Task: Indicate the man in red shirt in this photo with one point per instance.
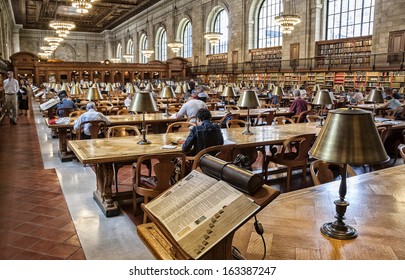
(299, 105)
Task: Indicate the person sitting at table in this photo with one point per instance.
(65, 103)
(396, 94)
(191, 107)
(395, 107)
(128, 100)
(358, 96)
(90, 115)
(205, 134)
(299, 105)
(202, 95)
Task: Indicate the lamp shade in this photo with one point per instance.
(322, 98)
(375, 96)
(316, 88)
(228, 92)
(401, 90)
(248, 99)
(167, 92)
(76, 90)
(66, 87)
(129, 88)
(149, 87)
(57, 87)
(278, 91)
(179, 90)
(109, 87)
(143, 102)
(94, 93)
(349, 136)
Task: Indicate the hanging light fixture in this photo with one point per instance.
(82, 6)
(53, 41)
(289, 19)
(62, 27)
(213, 37)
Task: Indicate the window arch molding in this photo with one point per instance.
(210, 25)
(161, 44)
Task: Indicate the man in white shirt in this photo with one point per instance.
(191, 107)
(11, 88)
(90, 115)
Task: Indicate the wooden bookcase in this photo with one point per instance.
(343, 52)
(267, 57)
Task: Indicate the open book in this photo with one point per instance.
(48, 104)
(199, 211)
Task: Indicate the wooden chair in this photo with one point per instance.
(323, 172)
(235, 123)
(179, 127)
(265, 118)
(151, 186)
(223, 152)
(192, 119)
(123, 112)
(301, 117)
(401, 149)
(121, 131)
(103, 110)
(76, 113)
(313, 118)
(293, 154)
(64, 112)
(227, 117)
(283, 120)
(96, 128)
(267, 105)
(231, 107)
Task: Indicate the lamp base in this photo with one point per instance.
(338, 230)
(167, 114)
(247, 132)
(144, 142)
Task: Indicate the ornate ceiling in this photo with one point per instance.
(104, 15)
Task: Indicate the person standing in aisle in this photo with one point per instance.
(11, 89)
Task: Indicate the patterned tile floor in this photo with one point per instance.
(34, 219)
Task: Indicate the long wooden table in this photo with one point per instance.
(158, 121)
(292, 223)
(104, 152)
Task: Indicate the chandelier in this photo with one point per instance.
(175, 46)
(289, 19)
(213, 37)
(53, 41)
(62, 27)
(48, 48)
(147, 53)
(82, 6)
(287, 22)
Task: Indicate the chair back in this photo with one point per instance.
(123, 112)
(163, 166)
(313, 118)
(95, 128)
(265, 118)
(322, 171)
(76, 113)
(401, 149)
(302, 116)
(122, 131)
(283, 120)
(297, 147)
(227, 117)
(179, 127)
(235, 123)
(102, 109)
(224, 152)
(232, 107)
(64, 112)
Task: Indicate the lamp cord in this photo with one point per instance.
(260, 231)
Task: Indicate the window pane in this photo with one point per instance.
(268, 32)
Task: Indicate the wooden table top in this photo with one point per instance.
(161, 118)
(122, 149)
(292, 221)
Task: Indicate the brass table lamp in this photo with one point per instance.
(76, 90)
(249, 100)
(179, 91)
(94, 94)
(322, 98)
(375, 96)
(228, 93)
(143, 102)
(278, 91)
(167, 93)
(348, 137)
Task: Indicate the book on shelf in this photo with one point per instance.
(198, 212)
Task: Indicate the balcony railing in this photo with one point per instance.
(385, 61)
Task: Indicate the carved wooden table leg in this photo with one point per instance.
(103, 194)
(63, 151)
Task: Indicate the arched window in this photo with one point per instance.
(221, 25)
(187, 36)
(143, 45)
(130, 51)
(119, 52)
(161, 47)
(268, 32)
(349, 18)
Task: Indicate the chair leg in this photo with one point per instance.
(145, 217)
(289, 173)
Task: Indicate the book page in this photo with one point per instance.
(199, 211)
(48, 104)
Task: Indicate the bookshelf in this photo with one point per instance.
(343, 52)
(266, 57)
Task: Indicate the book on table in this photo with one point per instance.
(199, 211)
(48, 104)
